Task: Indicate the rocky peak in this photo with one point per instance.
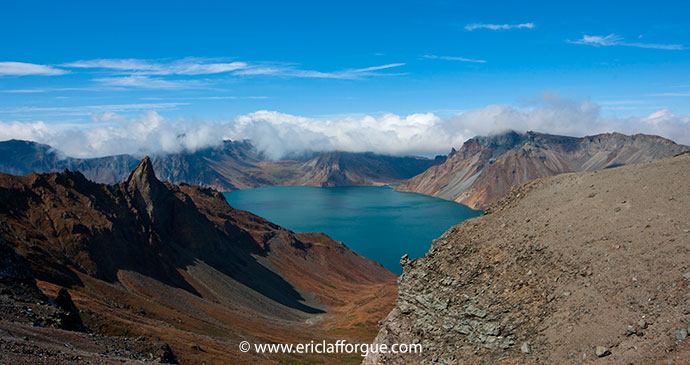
(143, 174)
(143, 186)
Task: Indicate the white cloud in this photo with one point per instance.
(23, 91)
(24, 69)
(448, 58)
(291, 71)
(139, 71)
(111, 134)
(615, 40)
(90, 109)
(279, 134)
(187, 66)
(475, 26)
(376, 68)
(671, 94)
(146, 82)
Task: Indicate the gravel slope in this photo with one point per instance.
(559, 267)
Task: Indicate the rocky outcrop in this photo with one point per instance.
(564, 269)
(485, 168)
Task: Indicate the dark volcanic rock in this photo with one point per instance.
(69, 317)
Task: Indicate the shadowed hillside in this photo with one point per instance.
(177, 264)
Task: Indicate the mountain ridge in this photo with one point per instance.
(230, 166)
(485, 168)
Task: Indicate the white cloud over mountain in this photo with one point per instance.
(279, 134)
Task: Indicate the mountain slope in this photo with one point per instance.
(560, 266)
(23, 157)
(230, 166)
(485, 168)
(346, 168)
(176, 263)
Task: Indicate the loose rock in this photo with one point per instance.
(630, 331)
(602, 351)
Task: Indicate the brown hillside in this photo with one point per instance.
(559, 267)
(176, 264)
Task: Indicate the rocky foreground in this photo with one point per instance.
(576, 268)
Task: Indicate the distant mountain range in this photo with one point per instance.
(232, 165)
(485, 168)
(172, 263)
(481, 172)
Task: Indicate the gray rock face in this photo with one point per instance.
(446, 314)
(681, 334)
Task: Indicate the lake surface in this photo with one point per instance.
(377, 222)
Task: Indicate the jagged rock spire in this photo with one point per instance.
(142, 173)
(145, 188)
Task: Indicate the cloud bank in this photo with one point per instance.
(279, 134)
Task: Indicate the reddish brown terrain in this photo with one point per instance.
(579, 268)
(157, 271)
(485, 168)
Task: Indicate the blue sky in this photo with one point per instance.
(66, 62)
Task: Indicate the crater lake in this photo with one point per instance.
(376, 222)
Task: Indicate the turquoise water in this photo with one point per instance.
(377, 222)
